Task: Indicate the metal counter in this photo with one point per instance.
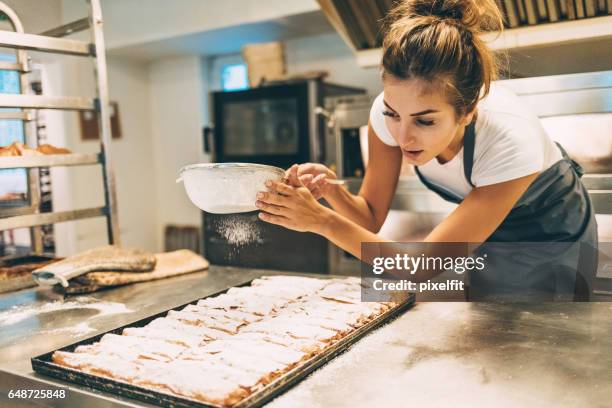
(437, 354)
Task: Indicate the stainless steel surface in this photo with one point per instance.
(49, 160)
(43, 365)
(104, 122)
(437, 354)
(313, 119)
(49, 331)
(30, 220)
(597, 181)
(35, 42)
(473, 355)
(45, 102)
(560, 83)
(602, 201)
(67, 29)
(350, 111)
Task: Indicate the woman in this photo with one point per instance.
(471, 141)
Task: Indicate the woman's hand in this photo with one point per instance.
(314, 177)
(292, 205)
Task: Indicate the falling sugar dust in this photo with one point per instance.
(238, 230)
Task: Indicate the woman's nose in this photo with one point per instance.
(406, 137)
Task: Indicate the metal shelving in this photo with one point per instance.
(76, 159)
(51, 41)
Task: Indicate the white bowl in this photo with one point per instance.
(225, 188)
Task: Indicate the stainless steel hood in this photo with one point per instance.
(543, 37)
(359, 22)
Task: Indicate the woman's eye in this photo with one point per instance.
(391, 114)
(423, 122)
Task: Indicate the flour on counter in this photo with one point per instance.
(17, 314)
(78, 330)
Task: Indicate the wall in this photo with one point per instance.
(36, 15)
(307, 54)
(132, 22)
(176, 119)
(131, 156)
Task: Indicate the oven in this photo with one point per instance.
(277, 125)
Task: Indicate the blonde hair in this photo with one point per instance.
(438, 41)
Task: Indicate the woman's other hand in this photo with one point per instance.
(314, 177)
(292, 205)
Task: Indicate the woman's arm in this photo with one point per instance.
(474, 220)
(370, 207)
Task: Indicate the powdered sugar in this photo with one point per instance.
(20, 313)
(239, 230)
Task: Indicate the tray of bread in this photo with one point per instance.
(237, 348)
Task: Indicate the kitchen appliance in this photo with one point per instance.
(276, 125)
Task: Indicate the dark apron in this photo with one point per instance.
(546, 248)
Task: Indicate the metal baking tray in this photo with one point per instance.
(44, 364)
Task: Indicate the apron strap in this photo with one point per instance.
(469, 141)
(446, 195)
(577, 167)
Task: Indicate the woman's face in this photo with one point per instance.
(420, 119)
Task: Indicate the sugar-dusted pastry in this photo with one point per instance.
(223, 348)
(245, 304)
(166, 334)
(266, 349)
(232, 314)
(128, 346)
(199, 319)
(303, 331)
(191, 379)
(179, 326)
(99, 364)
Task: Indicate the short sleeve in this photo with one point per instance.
(512, 150)
(377, 120)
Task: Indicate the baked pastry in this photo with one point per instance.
(223, 348)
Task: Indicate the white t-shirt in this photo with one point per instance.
(510, 143)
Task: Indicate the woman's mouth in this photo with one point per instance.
(412, 154)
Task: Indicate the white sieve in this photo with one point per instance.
(225, 188)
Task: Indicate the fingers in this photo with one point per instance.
(280, 187)
(306, 168)
(320, 180)
(291, 169)
(306, 179)
(273, 198)
(274, 219)
(292, 176)
(271, 208)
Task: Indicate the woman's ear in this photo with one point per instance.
(469, 117)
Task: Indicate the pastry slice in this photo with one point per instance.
(199, 319)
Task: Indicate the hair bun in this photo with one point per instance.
(444, 9)
(475, 15)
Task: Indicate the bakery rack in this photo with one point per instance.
(53, 41)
